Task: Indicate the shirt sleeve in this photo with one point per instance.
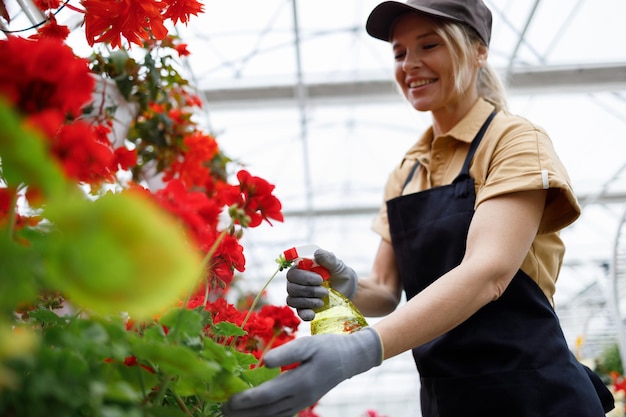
(524, 159)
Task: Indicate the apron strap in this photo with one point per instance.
(474, 145)
(468, 158)
(410, 176)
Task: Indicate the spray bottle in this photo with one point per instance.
(338, 314)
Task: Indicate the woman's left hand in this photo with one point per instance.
(324, 361)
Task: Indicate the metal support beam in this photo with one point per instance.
(607, 198)
(540, 80)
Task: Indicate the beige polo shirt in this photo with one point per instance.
(514, 155)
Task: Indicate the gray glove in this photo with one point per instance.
(304, 288)
(325, 361)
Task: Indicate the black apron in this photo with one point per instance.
(510, 359)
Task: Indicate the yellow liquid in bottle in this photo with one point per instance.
(338, 315)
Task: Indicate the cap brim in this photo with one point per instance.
(382, 17)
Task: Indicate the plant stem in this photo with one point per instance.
(182, 405)
(163, 387)
(268, 347)
(255, 302)
(214, 246)
(12, 214)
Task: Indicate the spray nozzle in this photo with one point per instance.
(304, 257)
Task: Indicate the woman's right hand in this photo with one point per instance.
(304, 288)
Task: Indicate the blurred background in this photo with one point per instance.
(298, 92)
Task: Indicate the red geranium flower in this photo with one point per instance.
(44, 74)
(44, 5)
(193, 100)
(256, 199)
(82, 155)
(182, 9)
(197, 211)
(125, 158)
(227, 258)
(52, 30)
(110, 20)
(221, 311)
(47, 122)
(182, 49)
(283, 318)
(192, 168)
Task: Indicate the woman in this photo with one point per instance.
(469, 232)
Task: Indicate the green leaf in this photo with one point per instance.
(175, 360)
(94, 332)
(17, 283)
(121, 252)
(154, 334)
(119, 60)
(222, 355)
(188, 387)
(124, 85)
(122, 391)
(48, 318)
(224, 386)
(142, 380)
(25, 159)
(228, 329)
(245, 360)
(182, 322)
(259, 375)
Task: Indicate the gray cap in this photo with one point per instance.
(473, 13)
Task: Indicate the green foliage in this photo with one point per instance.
(95, 367)
(610, 361)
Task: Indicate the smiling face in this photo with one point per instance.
(425, 70)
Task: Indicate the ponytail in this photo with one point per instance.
(491, 88)
(461, 40)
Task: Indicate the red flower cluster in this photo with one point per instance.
(46, 82)
(269, 327)
(256, 199)
(108, 21)
(44, 75)
(197, 211)
(52, 30)
(191, 166)
(44, 5)
(136, 20)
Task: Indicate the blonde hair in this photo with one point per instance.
(462, 39)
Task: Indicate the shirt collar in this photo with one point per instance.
(465, 130)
